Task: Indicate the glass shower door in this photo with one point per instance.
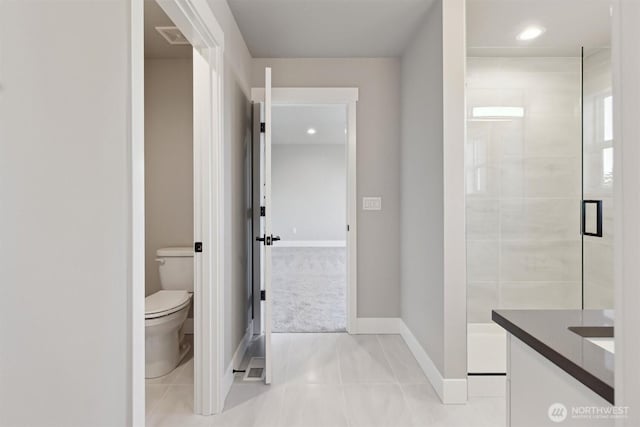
(597, 179)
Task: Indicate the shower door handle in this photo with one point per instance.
(589, 231)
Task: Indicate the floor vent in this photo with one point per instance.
(255, 370)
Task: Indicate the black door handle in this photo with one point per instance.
(268, 240)
(598, 207)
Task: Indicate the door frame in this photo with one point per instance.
(197, 22)
(347, 96)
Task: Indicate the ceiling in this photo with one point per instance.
(155, 46)
(492, 26)
(291, 122)
(328, 28)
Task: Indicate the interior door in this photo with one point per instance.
(267, 237)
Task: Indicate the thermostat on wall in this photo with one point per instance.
(372, 203)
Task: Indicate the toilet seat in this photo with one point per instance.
(163, 303)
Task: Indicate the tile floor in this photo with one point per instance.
(327, 380)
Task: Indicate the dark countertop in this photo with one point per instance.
(546, 331)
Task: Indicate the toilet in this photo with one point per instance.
(167, 310)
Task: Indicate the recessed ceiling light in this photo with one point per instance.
(311, 131)
(531, 33)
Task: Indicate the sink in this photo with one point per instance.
(602, 336)
(607, 343)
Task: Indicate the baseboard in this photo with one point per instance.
(487, 385)
(378, 325)
(310, 244)
(450, 390)
(236, 360)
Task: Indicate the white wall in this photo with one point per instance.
(432, 185)
(309, 191)
(65, 218)
(378, 158)
(168, 158)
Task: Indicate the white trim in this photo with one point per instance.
(352, 217)
(305, 96)
(137, 244)
(237, 359)
(349, 97)
(454, 203)
(196, 21)
(310, 244)
(450, 390)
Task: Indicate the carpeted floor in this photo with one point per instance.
(309, 289)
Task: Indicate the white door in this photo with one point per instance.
(268, 237)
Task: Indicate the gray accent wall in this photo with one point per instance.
(432, 182)
(378, 158)
(423, 187)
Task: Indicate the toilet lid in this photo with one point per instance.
(165, 302)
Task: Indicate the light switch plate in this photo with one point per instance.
(372, 203)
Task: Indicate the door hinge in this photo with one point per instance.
(197, 247)
(262, 127)
(263, 296)
(263, 211)
(347, 227)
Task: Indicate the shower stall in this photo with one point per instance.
(539, 190)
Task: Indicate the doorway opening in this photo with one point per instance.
(192, 27)
(169, 209)
(309, 205)
(304, 211)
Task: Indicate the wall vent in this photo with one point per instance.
(172, 35)
(255, 370)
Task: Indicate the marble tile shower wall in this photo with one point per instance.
(598, 176)
(523, 183)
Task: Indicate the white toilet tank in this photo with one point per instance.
(176, 268)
